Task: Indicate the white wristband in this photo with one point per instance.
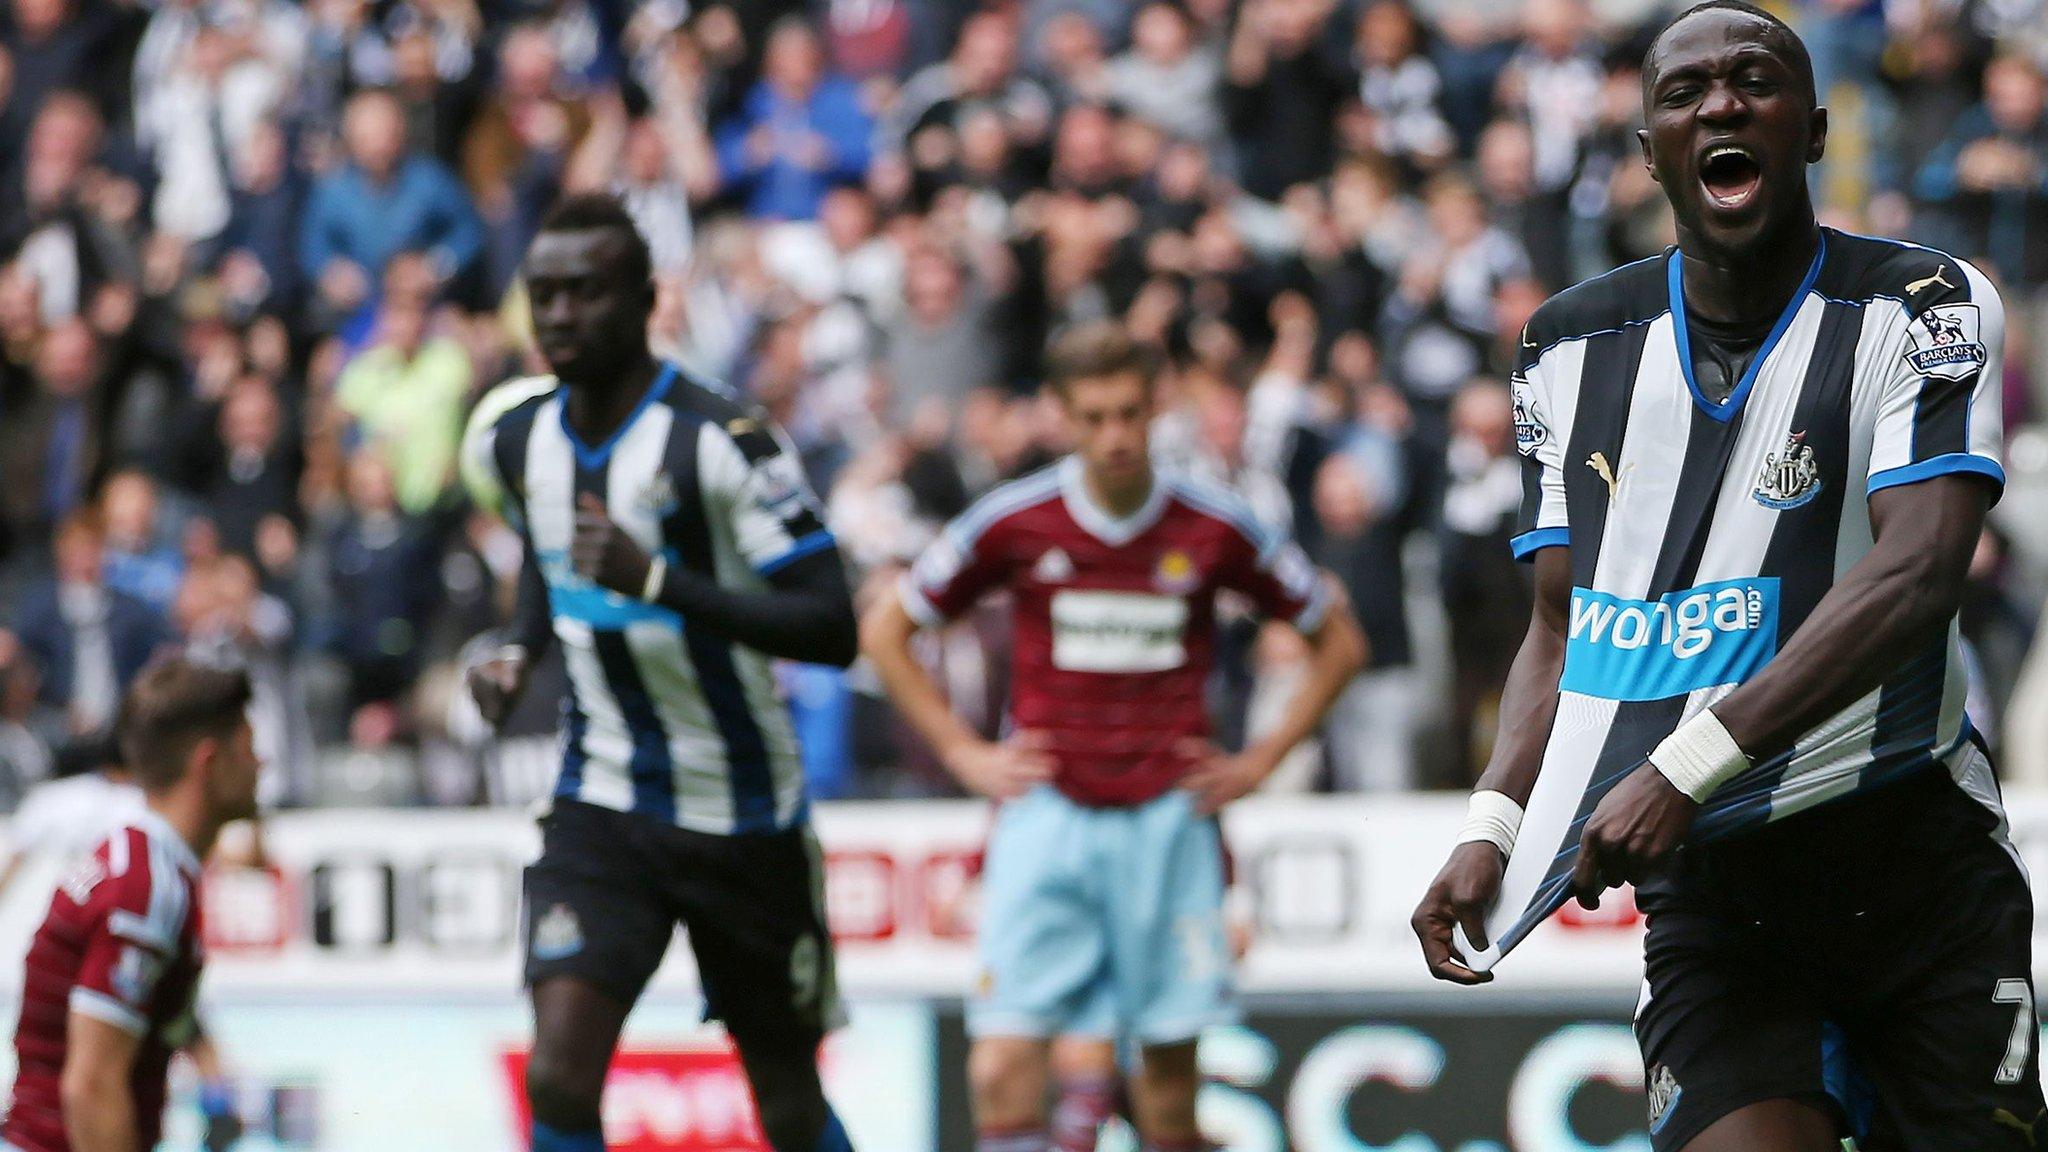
(657, 573)
(1493, 818)
(1700, 757)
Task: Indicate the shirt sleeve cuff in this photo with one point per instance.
(1944, 465)
(810, 545)
(108, 1010)
(1529, 543)
(1317, 609)
(138, 930)
(920, 608)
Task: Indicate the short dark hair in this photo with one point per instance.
(175, 702)
(1783, 40)
(602, 212)
(1093, 350)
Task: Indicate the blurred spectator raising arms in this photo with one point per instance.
(1990, 178)
(61, 214)
(800, 131)
(1400, 87)
(1486, 595)
(515, 150)
(1169, 78)
(1553, 82)
(196, 122)
(1284, 80)
(380, 204)
(981, 75)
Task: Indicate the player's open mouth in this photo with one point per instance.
(1731, 176)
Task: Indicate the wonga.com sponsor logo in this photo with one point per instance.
(1719, 633)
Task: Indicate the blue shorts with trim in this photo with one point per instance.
(1102, 922)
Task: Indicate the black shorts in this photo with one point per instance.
(610, 887)
(1873, 958)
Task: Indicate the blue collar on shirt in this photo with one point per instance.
(592, 459)
(1675, 285)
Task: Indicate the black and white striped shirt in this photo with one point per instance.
(663, 719)
(1703, 534)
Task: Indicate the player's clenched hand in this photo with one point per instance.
(1217, 777)
(1005, 770)
(496, 684)
(603, 554)
(1631, 834)
(1461, 894)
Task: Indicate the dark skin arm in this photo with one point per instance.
(807, 615)
(1466, 889)
(533, 624)
(499, 682)
(1898, 599)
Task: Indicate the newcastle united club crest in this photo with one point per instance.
(1663, 1092)
(658, 499)
(1790, 476)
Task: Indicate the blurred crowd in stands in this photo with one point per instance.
(258, 258)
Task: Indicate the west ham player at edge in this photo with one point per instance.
(1851, 953)
(108, 990)
(1103, 887)
(673, 549)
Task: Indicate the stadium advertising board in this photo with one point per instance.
(423, 902)
(1355, 1073)
(419, 902)
(1364, 1077)
(331, 1074)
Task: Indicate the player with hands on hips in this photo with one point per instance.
(1102, 910)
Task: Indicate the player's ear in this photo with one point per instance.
(200, 761)
(1643, 142)
(1817, 136)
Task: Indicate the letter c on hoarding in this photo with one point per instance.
(1237, 1061)
(1332, 1072)
(1540, 1100)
